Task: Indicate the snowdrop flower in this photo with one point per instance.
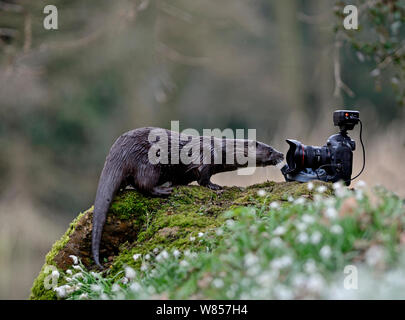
(300, 201)
(103, 296)
(77, 268)
(55, 274)
(331, 213)
(218, 283)
(301, 226)
(162, 256)
(147, 256)
(60, 291)
(176, 253)
(115, 287)
(325, 252)
(95, 287)
(310, 186)
(136, 256)
(184, 263)
(310, 266)
(135, 286)
(374, 255)
(315, 283)
(336, 229)
(84, 296)
(69, 272)
(192, 238)
(359, 194)
(95, 274)
(290, 199)
(187, 253)
(340, 191)
(308, 219)
(318, 198)
(316, 237)
(261, 193)
(282, 262)
(302, 238)
(125, 280)
(219, 232)
(68, 279)
(130, 273)
(144, 267)
(200, 234)
(251, 259)
(280, 230)
(74, 258)
(156, 250)
(283, 293)
(299, 280)
(321, 189)
(274, 205)
(230, 222)
(276, 242)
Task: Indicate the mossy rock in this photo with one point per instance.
(138, 224)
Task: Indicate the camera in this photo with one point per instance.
(332, 162)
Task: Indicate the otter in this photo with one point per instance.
(128, 164)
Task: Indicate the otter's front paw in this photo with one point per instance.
(213, 186)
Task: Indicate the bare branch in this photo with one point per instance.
(339, 84)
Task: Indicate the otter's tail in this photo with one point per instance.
(110, 181)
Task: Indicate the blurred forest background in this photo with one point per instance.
(280, 67)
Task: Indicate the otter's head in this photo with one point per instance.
(266, 155)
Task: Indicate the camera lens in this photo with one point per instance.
(300, 156)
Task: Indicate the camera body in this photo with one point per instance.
(332, 162)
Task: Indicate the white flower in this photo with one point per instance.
(310, 186)
(95, 275)
(325, 252)
(301, 226)
(135, 286)
(219, 232)
(192, 238)
(144, 267)
(290, 199)
(280, 263)
(156, 250)
(318, 198)
(283, 292)
(187, 253)
(68, 279)
(310, 266)
(276, 242)
(176, 253)
(308, 219)
(321, 189)
(124, 280)
(359, 194)
(336, 229)
(60, 291)
(331, 213)
(300, 201)
(302, 238)
(84, 296)
(280, 230)
(103, 296)
(77, 268)
(361, 184)
(184, 263)
(200, 234)
(251, 259)
(55, 274)
(315, 283)
(274, 205)
(162, 256)
(218, 283)
(261, 193)
(316, 237)
(115, 287)
(147, 256)
(136, 256)
(374, 255)
(340, 191)
(69, 272)
(95, 287)
(299, 280)
(230, 222)
(74, 258)
(130, 273)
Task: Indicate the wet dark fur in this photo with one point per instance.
(127, 164)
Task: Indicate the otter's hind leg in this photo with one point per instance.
(147, 182)
(205, 176)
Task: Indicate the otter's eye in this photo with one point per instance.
(158, 153)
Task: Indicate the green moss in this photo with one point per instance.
(169, 222)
